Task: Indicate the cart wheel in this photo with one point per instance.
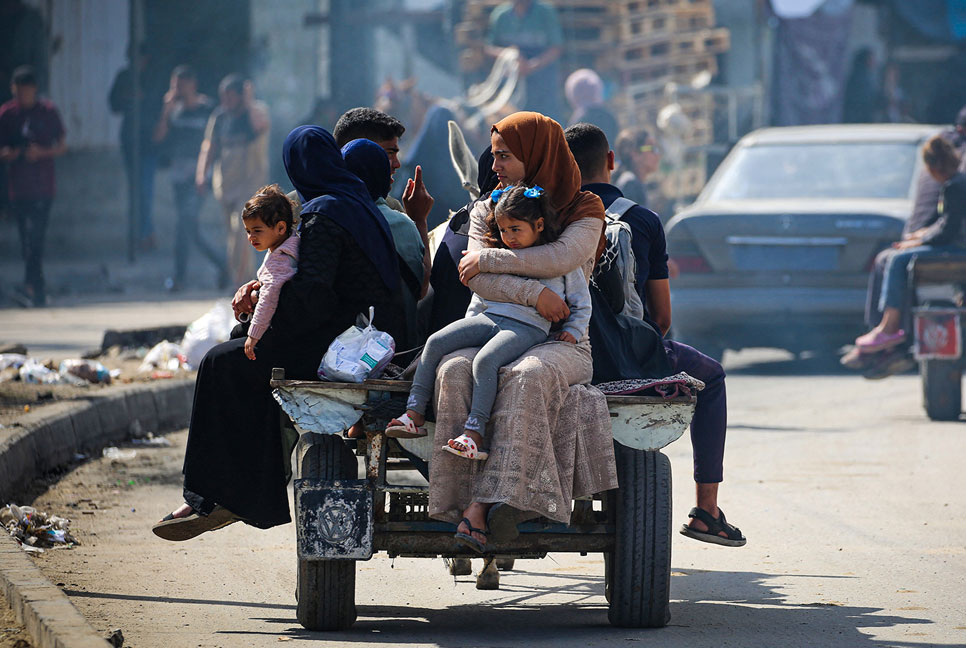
(638, 572)
(942, 391)
(326, 589)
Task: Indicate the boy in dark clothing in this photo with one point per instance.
(31, 136)
(596, 161)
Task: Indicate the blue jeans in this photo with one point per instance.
(503, 341)
(896, 280)
(187, 204)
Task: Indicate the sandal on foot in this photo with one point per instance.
(501, 520)
(406, 429)
(878, 340)
(467, 538)
(715, 526)
(193, 524)
(471, 451)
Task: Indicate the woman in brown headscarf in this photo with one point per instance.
(550, 439)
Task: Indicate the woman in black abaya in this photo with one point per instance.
(234, 469)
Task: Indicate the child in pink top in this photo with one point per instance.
(270, 225)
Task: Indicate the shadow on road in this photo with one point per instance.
(726, 608)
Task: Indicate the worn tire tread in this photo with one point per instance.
(326, 588)
(640, 568)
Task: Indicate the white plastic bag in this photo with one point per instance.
(360, 352)
(210, 329)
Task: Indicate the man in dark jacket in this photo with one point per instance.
(596, 161)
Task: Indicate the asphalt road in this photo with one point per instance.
(850, 498)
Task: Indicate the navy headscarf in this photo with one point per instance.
(315, 166)
(370, 163)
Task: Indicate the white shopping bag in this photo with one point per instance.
(360, 352)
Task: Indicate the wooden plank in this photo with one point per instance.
(668, 21)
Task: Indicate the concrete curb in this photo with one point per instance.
(48, 439)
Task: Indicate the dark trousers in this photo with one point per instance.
(710, 422)
(32, 217)
(187, 204)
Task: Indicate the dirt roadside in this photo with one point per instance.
(12, 634)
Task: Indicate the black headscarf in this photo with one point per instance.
(315, 166)
(370, 163)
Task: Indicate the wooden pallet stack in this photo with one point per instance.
(638, 46)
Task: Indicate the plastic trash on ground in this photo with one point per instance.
(214, 327)
(35, 372)
(164, 356)
(89, 370)
(116, 454)
(14, 360)
(36, 530)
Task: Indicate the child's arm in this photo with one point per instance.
(578, 299)
(278, 269)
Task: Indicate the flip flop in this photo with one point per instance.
(469, 540)
(501, 520)
(471, 452)
(872, 342)
(715, 526)
(408, 429)
(193, 524)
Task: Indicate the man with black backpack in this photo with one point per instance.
(650, 276)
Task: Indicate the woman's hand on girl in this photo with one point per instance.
(551, 306)
(470, 266)
(563, 336)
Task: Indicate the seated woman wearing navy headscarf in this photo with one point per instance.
(369, 162)
(234, 467)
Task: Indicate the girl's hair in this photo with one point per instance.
(514, 203)
(940, 156)
(271, 206)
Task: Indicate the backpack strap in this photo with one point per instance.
(619, 207)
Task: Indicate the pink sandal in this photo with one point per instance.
(406, 430)
(471, 451)
(872, 342)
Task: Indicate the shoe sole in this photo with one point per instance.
(710, 538)
(191, 526)
(880, 347)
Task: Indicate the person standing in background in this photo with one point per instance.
(179, 134)
(638, 156)
(138, 101)
(585, 94)
(31, 136)
(235, 153)
(533, 28)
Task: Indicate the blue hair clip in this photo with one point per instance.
(534, 192)
(496, 193)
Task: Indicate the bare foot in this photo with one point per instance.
(476, 514)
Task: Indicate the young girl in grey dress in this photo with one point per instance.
(519, 217)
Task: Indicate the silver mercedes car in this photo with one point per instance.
(776, 250)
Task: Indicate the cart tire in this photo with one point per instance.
(942, 391)
(638, 573)
(326, 589)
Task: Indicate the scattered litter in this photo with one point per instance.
(153, 441)
(163, 357)
(214, 327)
(35, 372)
(89, 370)
(13, 360)
(35, 530)
(116, 638)
(114, 453)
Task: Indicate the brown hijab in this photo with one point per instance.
(538, 142)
